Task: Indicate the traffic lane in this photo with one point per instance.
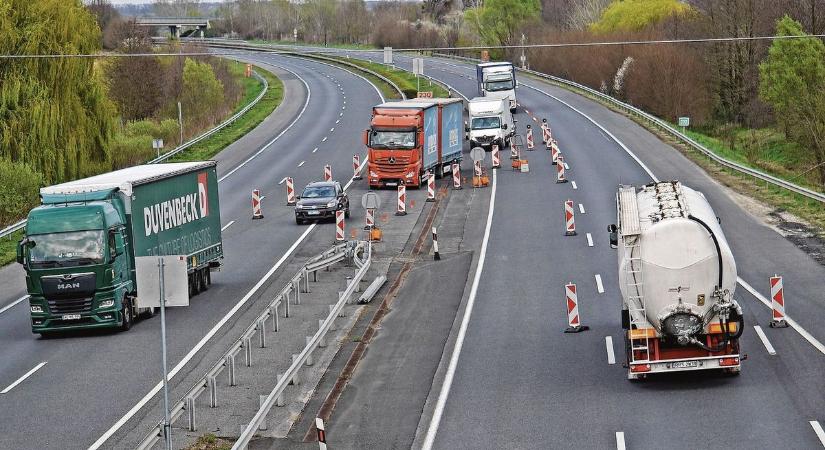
(13, 280)
(81, 355)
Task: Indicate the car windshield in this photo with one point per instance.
(72, 248)
(318, 192)
(392, 139)
(486, 123)
(503, 85)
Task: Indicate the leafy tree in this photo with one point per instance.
(793, 82)
(636, 15)
(501, 22)
(202, 95)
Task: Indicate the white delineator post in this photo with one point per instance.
(569, 219)
(436, 255)
(496, 157)
(290, 192)
(339, 226)
(356, 167)
(456, 176)
(573, 320)
(430, 186)
(256, 205)
(560, 169)
(327, 173)
(530, 144)
(370, 219)
(402, 201)
(777, 303)
(322, 433)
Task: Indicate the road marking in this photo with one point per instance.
(574, 185)
(324, 139)
(589, 240)
(23, 378)
(820, 433)
(620, 440)
(332, 129)
(764, 339)
(301, 163)
(581, 208)
(13, 304)
(432, 430)
(282, 180)
(227, 225)
(802, 332)
(599, 285)
(341, 115)
(263, 197)
(608, 343)
(566, 167)
(337, 121)
(343, 107)
(315, 150)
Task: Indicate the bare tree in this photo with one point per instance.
(585, 12)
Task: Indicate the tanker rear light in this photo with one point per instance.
(725, 362)
(635, 368)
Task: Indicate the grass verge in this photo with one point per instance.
(8, 247)
(210, 147)
(386, 89)
(210, 442)
(405, 80)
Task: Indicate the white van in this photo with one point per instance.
(490, 122)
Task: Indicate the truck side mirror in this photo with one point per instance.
(365, 137)
(20, 259)
(614, 235)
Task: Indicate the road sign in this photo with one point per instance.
(418, 66)
(477, 154)
(387, 55)
(176, 281)
(425, 94)
(684, 122)
(371, 200)
(157, 143)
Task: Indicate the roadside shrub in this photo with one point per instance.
(131, 150)
(19, 190)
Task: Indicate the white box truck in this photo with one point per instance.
(490, 122)
(497, 80)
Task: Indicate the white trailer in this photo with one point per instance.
(490, 122)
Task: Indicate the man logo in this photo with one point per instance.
(68, 286)
(203, 194)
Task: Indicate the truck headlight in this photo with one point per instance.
(373, 174)
(411, 174)
(37, 309)
(107, 303)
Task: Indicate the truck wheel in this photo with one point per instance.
(439, 172)
(128, 314)
(194, 289)
(208, 275)
(204, 279)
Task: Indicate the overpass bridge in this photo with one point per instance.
(175, 24)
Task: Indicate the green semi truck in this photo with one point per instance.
(81, 243)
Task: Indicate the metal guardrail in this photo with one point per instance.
(12, 228)
(630, 109)
(361, 254)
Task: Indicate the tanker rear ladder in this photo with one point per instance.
(639, 340)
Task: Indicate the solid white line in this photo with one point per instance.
(227, 225)
(581, 208)
(599, 285)
(820, 433)
(802, 332)
(282, 180)
(13, 304)
(462, 332)
(608, 343)
(589, 240)
(268, 144)
(21, 379)
(620, 440)
(301, 163)
(324, 139)
(764, 339)
(574, 185)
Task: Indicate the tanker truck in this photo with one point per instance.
(677, 277)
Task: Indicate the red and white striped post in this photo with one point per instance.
(573, 320)
(496, 157)
(569, 219)
(545, 131)
(430, 186)
(322, 433)
(402, 201)
(560, 169)
(339, 226)
(554, 152)
(477, 168)
(256, 205)
(436, 255)
(370, 219)
(530, 144)
(290, 192)
(356, 167)
(327, 173)
(777, 303)
(456, 176)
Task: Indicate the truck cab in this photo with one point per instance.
(394, 141)
(490, 123)
(497, 80)
(79, 272)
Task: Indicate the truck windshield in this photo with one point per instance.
(392, 139)
(486, 123)
(73, 248)
(503, 85)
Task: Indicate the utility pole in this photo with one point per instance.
(180, 122)
(523, 57)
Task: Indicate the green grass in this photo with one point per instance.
(210, 442)
(210, 147)
(406, 81)
(8, 247)
(386, 89)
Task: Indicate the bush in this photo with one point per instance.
(19, 190)
(131, 150)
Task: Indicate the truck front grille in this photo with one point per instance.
(70, 305)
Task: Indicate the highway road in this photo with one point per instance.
(519, 382)
(85, 382)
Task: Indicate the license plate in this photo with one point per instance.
(313, 213)
(684, 364)
(71, 317)
(391, 183)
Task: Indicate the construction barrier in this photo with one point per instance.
(560, 169)
(356, 167)
(530, 144)
(554, 151)
(430, 186)
(402, 201)
(456, 176)
(436, 255)
(370, 219)
(339, 226)
(322, 433)
(569, 219)
(327, 173)
(496, 157)
(545, 132)
(290, 192)
(573, 320)
(256, 205)
(777, 303)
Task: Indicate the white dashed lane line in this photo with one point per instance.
(611, 356)
(581, 208)
(228, 225)
(599, 285)
(301, 163)
(324, 139)
(574, 185)
(315, 150)
(23, 378)
(589, 240)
